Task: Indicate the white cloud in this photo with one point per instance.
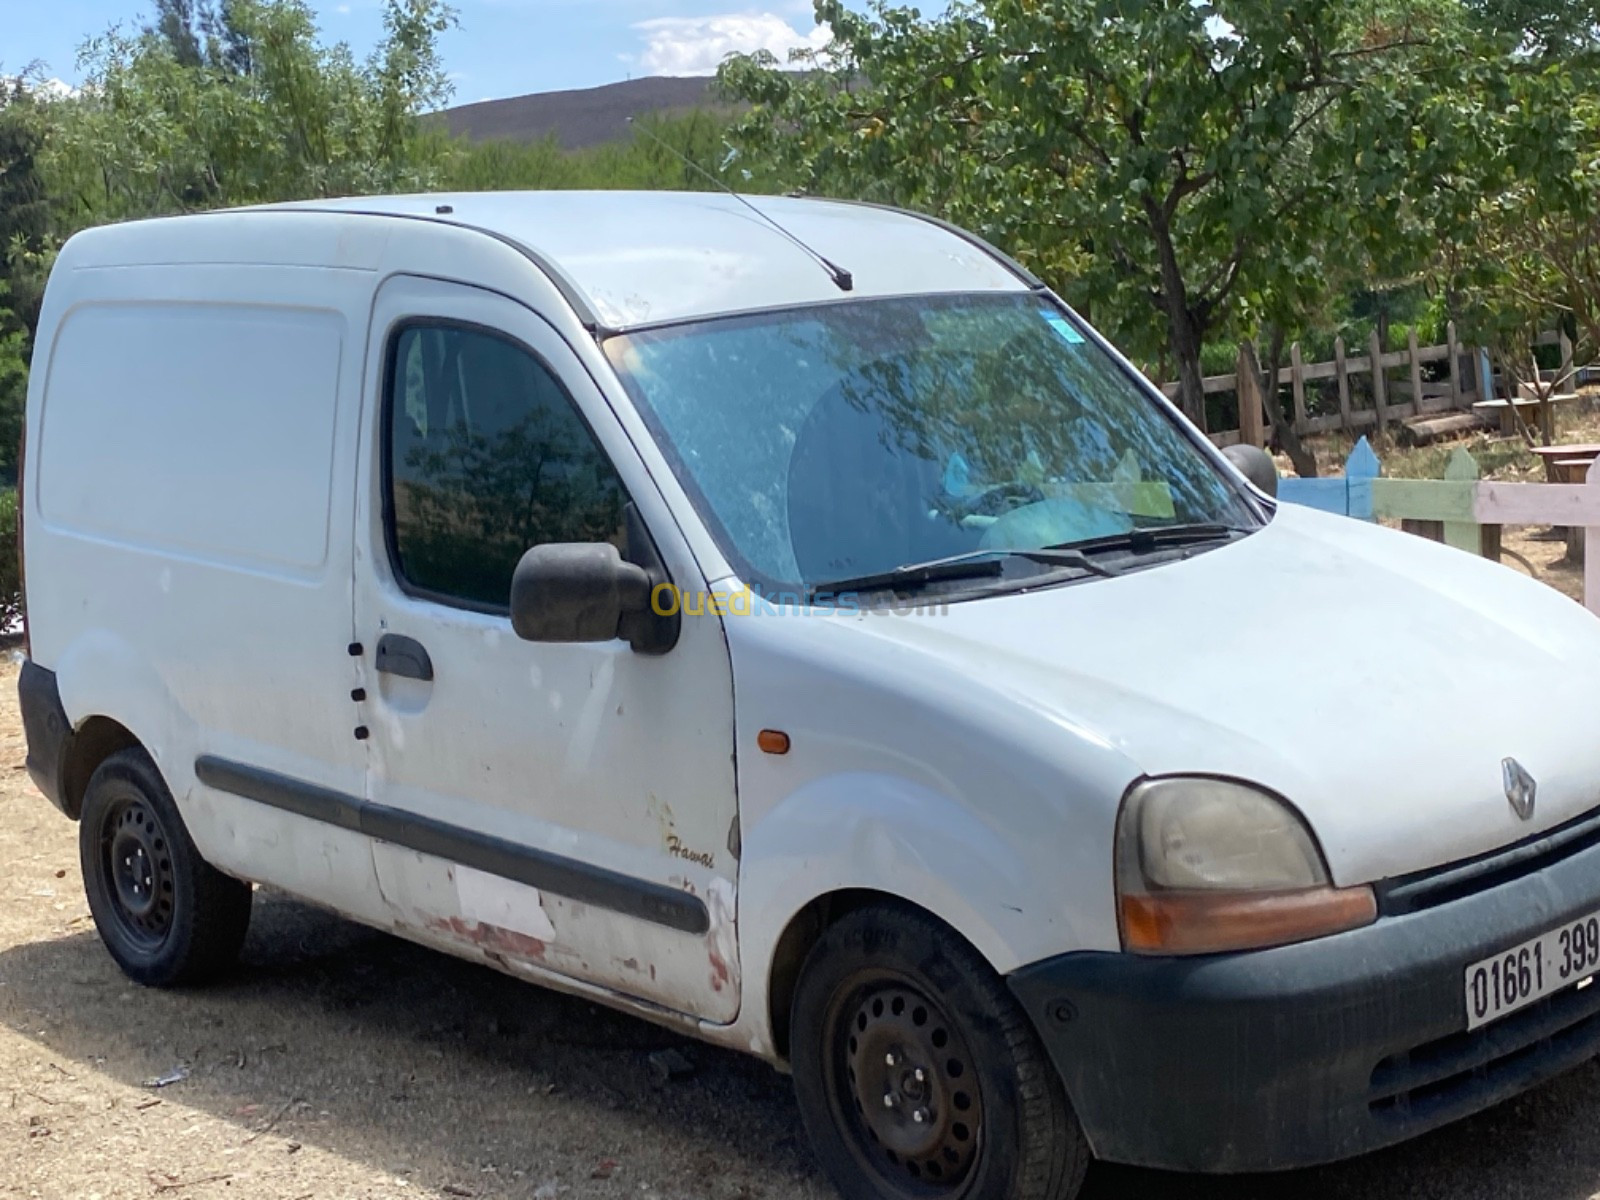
(697, 45)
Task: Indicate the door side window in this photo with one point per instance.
(485, 457)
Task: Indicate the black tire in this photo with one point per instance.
(167, 916)
(891, 1001)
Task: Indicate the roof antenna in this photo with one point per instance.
(842, 279)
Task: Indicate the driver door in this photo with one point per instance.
(561, 810)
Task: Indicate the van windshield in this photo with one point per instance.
(848, 439)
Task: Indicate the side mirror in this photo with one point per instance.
(588, 592)
(1256, 465)
(576, 592)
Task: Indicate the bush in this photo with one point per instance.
(1219, 358)
(10, 566)
(13, 391)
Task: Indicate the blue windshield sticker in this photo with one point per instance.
(1062, 326)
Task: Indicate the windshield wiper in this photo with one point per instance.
(975, 564)
(1145, 541)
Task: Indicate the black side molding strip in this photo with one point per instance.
(280, 791)
(540, 869)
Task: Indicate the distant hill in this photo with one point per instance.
(579, 119)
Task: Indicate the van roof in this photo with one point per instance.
(638, 258)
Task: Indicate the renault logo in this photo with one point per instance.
(1521, 788)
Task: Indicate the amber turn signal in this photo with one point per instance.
(773, 741)
(1211, 922)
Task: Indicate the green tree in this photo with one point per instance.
(207, 33)
(1532, 260)
(13, 402)
(13, 397)
(1546, 28)
(652, 157)
(1177, 169)
(25, 211)
(1155, 161)
(176, 23)
(153, 133)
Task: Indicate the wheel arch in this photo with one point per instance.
(94, 740)
(805, 929)
(111, 697)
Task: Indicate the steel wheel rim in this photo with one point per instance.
(904, 1086)
(136, 867)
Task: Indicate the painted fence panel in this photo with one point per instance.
(1461, 501)
(1349, 495)
(1329, 495)
(1463, 531)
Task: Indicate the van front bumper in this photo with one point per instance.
(1310, 1053)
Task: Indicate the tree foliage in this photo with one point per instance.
(260, 111)
(1181, 170)
(13, 399)
(652, 158)
(1532, 259)
(25, 209)
(1550, 29)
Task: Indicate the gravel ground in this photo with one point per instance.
(343, 1064)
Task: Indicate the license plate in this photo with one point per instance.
(1516, 978)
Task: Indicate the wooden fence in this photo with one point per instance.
(1467, 378)
(1461, 503)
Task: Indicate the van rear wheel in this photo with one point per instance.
(919, 1076)
(167, 916)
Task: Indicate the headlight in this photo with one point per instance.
(1206, 865)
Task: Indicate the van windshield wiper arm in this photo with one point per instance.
(1144, 541)
(975, 564)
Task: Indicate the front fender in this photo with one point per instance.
(878, 832)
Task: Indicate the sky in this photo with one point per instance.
(503, 48)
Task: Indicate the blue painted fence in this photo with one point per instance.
(1350, 496)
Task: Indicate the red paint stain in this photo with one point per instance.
(719, 972)
(490, 937)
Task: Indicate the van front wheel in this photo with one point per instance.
(167, 916)
(919, 1076)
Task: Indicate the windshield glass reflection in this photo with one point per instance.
(843, 440)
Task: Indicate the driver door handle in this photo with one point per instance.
(405, 657)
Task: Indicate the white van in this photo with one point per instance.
(787, 622)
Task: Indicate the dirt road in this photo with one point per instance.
(343, 1064)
